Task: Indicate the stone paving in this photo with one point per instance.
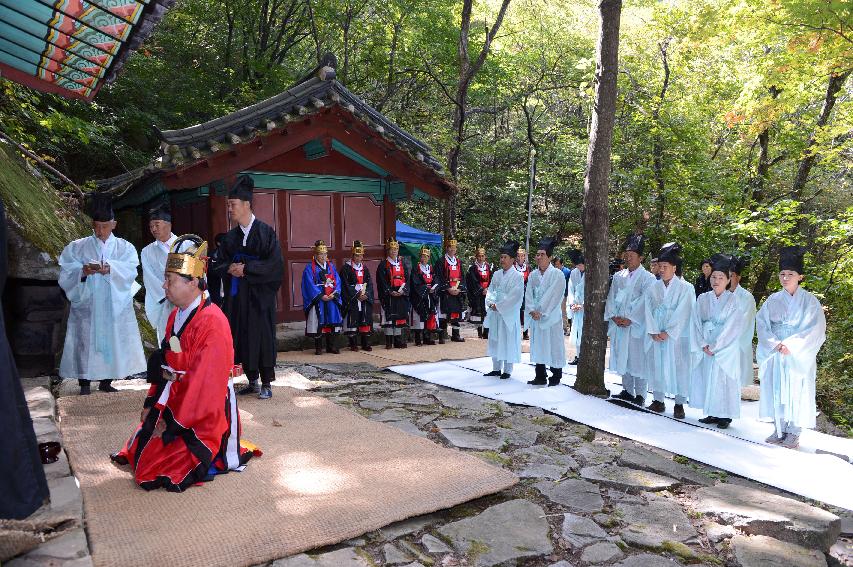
(585, 498)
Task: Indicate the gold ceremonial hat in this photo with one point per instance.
(480, 250)
(188, 256)
(450, 242)
(320, 247)
(357, 247)
(425, 251)
(521, 250)
(392, 244)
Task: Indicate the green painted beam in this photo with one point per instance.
(315, 182)
(358, 158)
(315, 150)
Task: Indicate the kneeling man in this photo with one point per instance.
(190, 427)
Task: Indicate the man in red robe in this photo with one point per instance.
(190, 427)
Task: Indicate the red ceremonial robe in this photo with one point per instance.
(199, 410)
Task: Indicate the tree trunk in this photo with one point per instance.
(590, 378)
(657, 150)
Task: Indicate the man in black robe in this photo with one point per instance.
(451, 291)
(251, 267)
(424, 300)
(357, 292)
(392, 283)
(22, 481)
(477, 281)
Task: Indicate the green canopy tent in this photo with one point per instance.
(411, 239)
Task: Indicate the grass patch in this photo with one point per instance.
(546, 420)
(494, 457)
(681, 460)
(477, 549)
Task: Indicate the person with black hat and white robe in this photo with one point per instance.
(477, 283)
(251, 268)
(392, 285)
(791, 329)
(357, 296)
(544, 316)
(157, 306)
(747, 305)
(522, 267)
(669, 305)
(424, 299)
(503, 301)
(716, 327)
(98, 275)
(575, 299)
(451, 292)
(625, 311)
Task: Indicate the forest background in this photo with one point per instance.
(733, 132)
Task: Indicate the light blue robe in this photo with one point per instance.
(102, 340)
(506, 292)
(153, 273)
(577, 285)
(669, 361)
(545, 294)
(747, 305)
(716, 382)
(627, 344)
(788, 381)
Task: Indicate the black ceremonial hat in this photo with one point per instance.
(634, 243)
(791, 258)
(242, 189)
(510, 248)
(722, 263)
(739, 264)
(99, 206)
(547, 244)
(161, 212)
(670, 252)
(577, 257)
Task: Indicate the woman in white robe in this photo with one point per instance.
(544, 316)
(717, 325)
(98, 274)
(503, 314)
(747, 305)
(669, 305)
(791, 329)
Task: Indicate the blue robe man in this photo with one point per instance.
(791, 329)
(321, 300)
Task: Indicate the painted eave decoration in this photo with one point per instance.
(72, 47)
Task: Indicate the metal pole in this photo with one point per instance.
(530, 198)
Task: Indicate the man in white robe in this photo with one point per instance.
(747, 305)
(157, 307)
(503, 320)
(791, 329)
(669, 305)
(574, 301)
(97, 274)
(716, 327)
(625, 312)
(544, 316)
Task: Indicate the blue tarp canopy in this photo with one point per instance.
(410, 234)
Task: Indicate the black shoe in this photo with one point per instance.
(318, 345)
(708, 420)
(541, 377)
(352, 343)
(624, 395)
(428, 340)
(330, 344)
(266, 393)
(678, 412)
(574, 362)
(538, 381)
(419, 340)
(639, 400)
(251, 388)
(389, 341)
(556, 376)
(85, 387)
(505, 375)
(525, 336)
(118, 459)
(657, 407)
(365, 344)
(399, 342)
(107, 388)
(723, 423)
(493, 373)
(480, 332)
(441, 335)
(485, 333)
(455, 336)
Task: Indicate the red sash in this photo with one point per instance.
(484, 273)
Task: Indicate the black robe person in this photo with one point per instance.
(396, 308)
(476, 281)
(250, 301)
(424, 303)
(450, 303)
(22, 482)
(356, 317)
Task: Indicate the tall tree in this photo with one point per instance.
(595, 211)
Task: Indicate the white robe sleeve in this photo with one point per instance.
(123, 264)
(71, 272)
(513, 290)
(812, 330)
(680, 320)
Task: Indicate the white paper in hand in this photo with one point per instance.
(175, 344)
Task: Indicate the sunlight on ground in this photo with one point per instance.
(302, 473)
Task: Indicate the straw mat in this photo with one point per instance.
(327, 475)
